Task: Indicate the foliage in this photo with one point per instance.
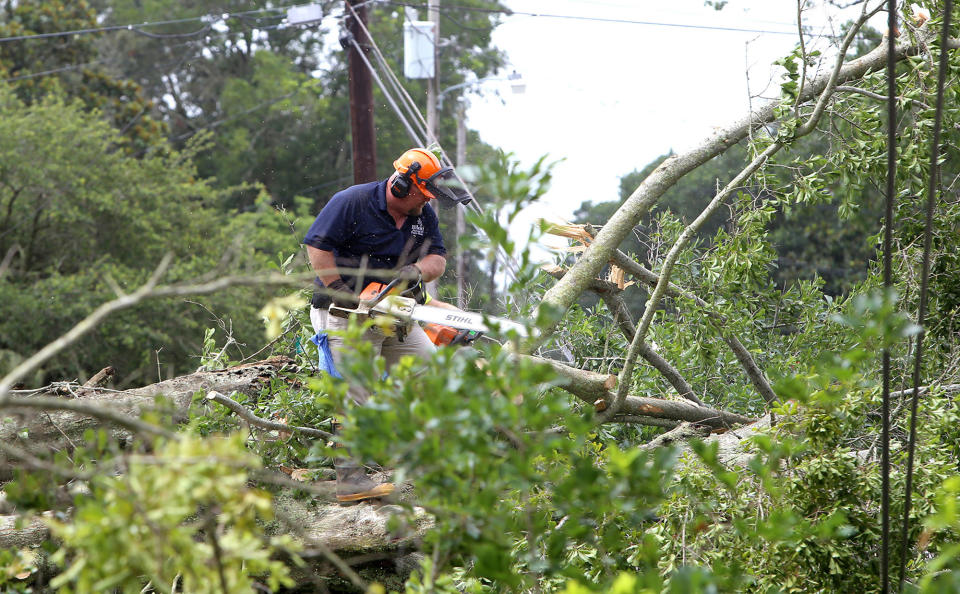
(69, 64)
(83, 221)
(473, 434)
(276, 96)
(803, 515)
(182, 519)
(506, 189)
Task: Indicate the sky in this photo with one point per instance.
(609, 97)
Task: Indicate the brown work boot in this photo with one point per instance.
(353, 484)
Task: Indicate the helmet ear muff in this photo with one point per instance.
(402, 183)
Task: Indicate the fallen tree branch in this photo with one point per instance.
(14, 533)
(756, 375)
(878, 96)
(610, 293)
(248, 416)
(149, 290)
(647, 421)
(681, 433)
(688, 233)
(622, 316)
(67, 418)
(587, 385)
(15, 404)
(562, 295)
(596, 390)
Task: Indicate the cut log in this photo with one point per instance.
(43, 430)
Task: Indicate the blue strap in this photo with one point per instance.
(325, 361)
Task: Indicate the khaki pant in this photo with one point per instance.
(415, 343)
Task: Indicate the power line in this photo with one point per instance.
(69, 67)
(54, 71)
(245, 112)
(211, 19)
(508, 261)
(509, 12)
(136, 28)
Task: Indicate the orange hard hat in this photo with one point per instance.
(429, 165)
(430, 176)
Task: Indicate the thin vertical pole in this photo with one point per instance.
(888, 285)
(433, 83)
(461, 225)
(932, 196)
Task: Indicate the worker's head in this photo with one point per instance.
(421, 169)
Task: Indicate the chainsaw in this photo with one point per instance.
(394, 313)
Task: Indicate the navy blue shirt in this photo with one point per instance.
(357, 228)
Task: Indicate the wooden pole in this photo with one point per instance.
(361, 101)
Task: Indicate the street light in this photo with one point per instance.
(517, 85)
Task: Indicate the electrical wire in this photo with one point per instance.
(506, 259)
(54, 71)
(406, 100)
(208, 27)
(201, 31)
(69, 67)
(136, 28)
(509, 12)
(245, 112)
(924, 285)
(386, 93)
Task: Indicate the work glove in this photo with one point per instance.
(341, 294)
(414, 282)
(410, 273)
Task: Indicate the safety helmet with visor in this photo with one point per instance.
(432, 178)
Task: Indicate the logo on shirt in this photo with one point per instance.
(417, 228)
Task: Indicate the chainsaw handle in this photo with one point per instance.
(385, 291)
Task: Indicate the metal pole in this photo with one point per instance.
(433, 84)
(461, 224)
(361, 101)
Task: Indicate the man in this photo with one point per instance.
(376, 232)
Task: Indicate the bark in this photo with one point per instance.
(610, 293)
(355, 529)
(19, 532)
(379, 541)
(730, 443)
(678, 435)
(586, 385)
(596, 389)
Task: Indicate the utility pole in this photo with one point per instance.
(361, 97)
(461, 225)
(433, 84)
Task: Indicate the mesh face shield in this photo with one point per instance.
(446, 188)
